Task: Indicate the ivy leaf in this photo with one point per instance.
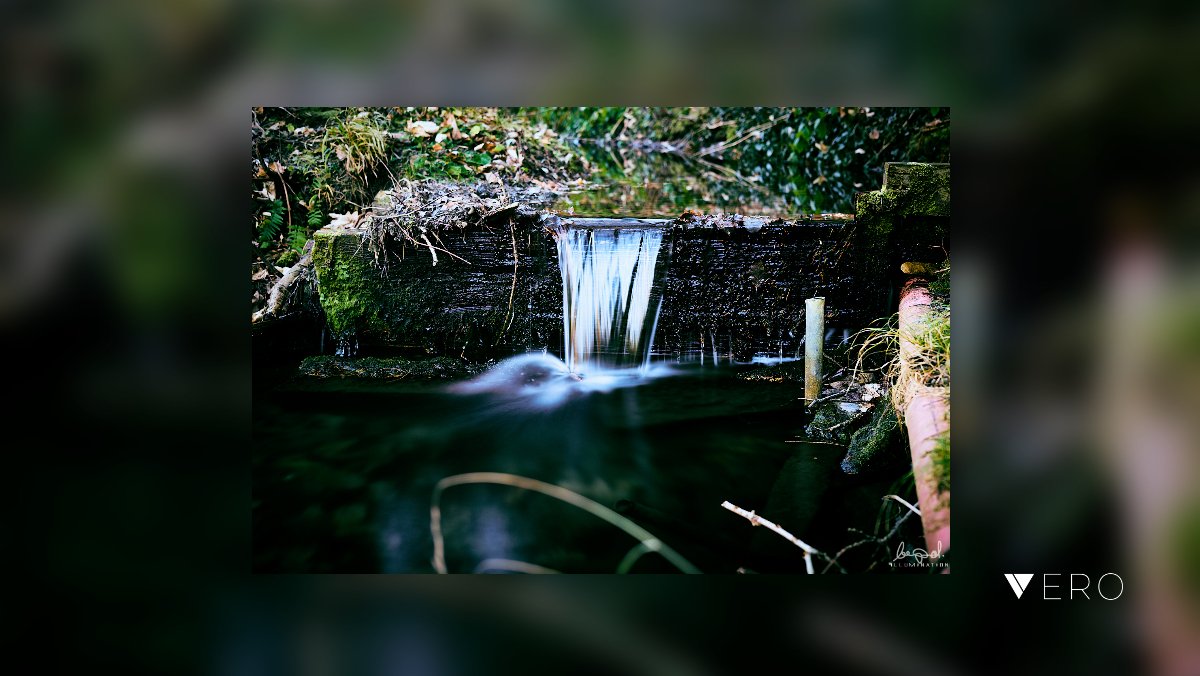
(477, 158)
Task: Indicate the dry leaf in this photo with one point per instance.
(421, 128)
(452, 124)
(346, 220)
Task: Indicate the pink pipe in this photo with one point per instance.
(927, 417)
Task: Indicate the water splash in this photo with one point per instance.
(608, 282)
(540, 381)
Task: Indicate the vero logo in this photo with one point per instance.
(1018, 582)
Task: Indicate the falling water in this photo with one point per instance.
(608, 284)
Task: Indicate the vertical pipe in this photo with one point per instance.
(927, 417)
(814, 343)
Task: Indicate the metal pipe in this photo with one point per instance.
(814, 344)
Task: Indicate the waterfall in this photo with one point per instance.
(608, 282)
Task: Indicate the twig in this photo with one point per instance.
(904, 502)
(512, 292)
(651, 542)
(757, 520)
(287, 201)
(871, 539)
(826, 398)
(431, 251)
(514, 566)
(723, 146)
(844, 423)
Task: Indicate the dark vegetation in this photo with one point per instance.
(309, 166)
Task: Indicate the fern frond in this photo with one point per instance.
(297, 236)
(271, 224)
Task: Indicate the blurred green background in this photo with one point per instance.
(125, 131)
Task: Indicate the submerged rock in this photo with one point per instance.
(392, 368)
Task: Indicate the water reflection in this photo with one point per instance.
(639, 183)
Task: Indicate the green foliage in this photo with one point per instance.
(315, 218)
(270, 223)
(297, 236)
(815, 158)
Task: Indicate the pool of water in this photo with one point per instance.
(344, 471)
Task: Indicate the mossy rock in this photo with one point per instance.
(875, 446)
(474, 303)
(835, 421)
(906, 219)
(392, 368)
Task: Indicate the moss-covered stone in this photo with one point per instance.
(346, 283)
(908, 218)
(391, 368)
(472, 303)
(835, 421)
(876, 445)
(918, 189)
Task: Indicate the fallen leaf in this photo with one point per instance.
(822, 147)
(421, 128)
(346, 220)
(818, 180)
(450, 122)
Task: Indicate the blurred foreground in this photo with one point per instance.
(122, 299)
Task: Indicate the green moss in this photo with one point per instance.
(940, 457)
(346, 284)
(918, 189)
(390, 368)
(288, 258)
(874, 446)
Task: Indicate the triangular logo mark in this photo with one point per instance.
(1018, 582)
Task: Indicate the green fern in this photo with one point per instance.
(270, 224)
(315, 218)
(297, 236)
